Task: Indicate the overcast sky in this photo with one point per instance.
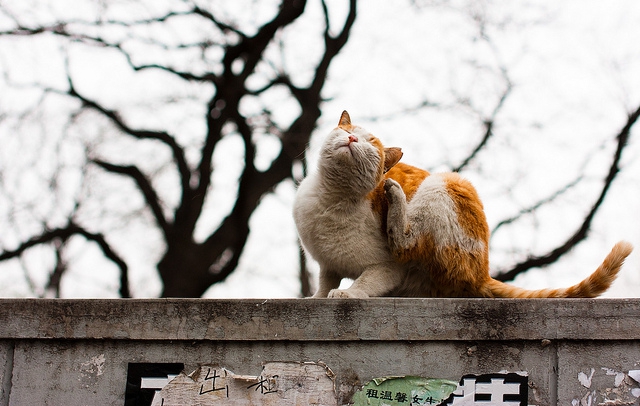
(572, 67)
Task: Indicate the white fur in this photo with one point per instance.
(336, 224)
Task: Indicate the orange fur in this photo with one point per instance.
(408, 176)
(456, 271)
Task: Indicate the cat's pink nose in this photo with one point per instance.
(352, 138)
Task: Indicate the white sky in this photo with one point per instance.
(573, 67)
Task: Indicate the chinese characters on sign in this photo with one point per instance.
(284, 383)
(280, 383)
(212, 377)
(473, 390)
(401, 397)
(492, 389)
(214, 385)
(404, 391)
(265, 385)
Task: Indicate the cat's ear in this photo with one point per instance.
(345, 121)
(392, 156)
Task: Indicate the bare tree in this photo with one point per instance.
(235, 76)
(244, 67)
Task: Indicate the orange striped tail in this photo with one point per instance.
(595, 285)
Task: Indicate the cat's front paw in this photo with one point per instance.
(393, 191)
(348, 294)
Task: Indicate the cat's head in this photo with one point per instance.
(353, 157)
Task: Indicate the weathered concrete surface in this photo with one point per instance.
(6, 366)
(56, 372)
(597, 373)
(76, 352)
(321, 319)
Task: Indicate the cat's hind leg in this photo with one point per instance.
(399, 231)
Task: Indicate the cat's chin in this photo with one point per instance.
(344, 147)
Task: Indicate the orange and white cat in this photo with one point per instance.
(398, 230)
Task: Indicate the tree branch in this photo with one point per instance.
(254, 184)
(144, 185)
(221, 26)
(488, 127)
(489, 122)
(61, 29)
(537, 204)
(250, 49)
(207, 77)
(59, 268)
(333, 45)
(582, 231)
(294, 140)
(163, 137)
(65, 233)
(223, 107)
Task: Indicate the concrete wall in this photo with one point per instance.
(79, 352)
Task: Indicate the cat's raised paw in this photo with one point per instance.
(389, 183)
(392, 190)
(348, 294)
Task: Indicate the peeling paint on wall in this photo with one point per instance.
(635, 375)
(91, 369)
(586, 380)
(619, 376)
(95, 365)
(620, 389)
(279, 383)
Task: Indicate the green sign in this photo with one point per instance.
(404, 391)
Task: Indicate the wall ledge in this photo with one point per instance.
(380, 319)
